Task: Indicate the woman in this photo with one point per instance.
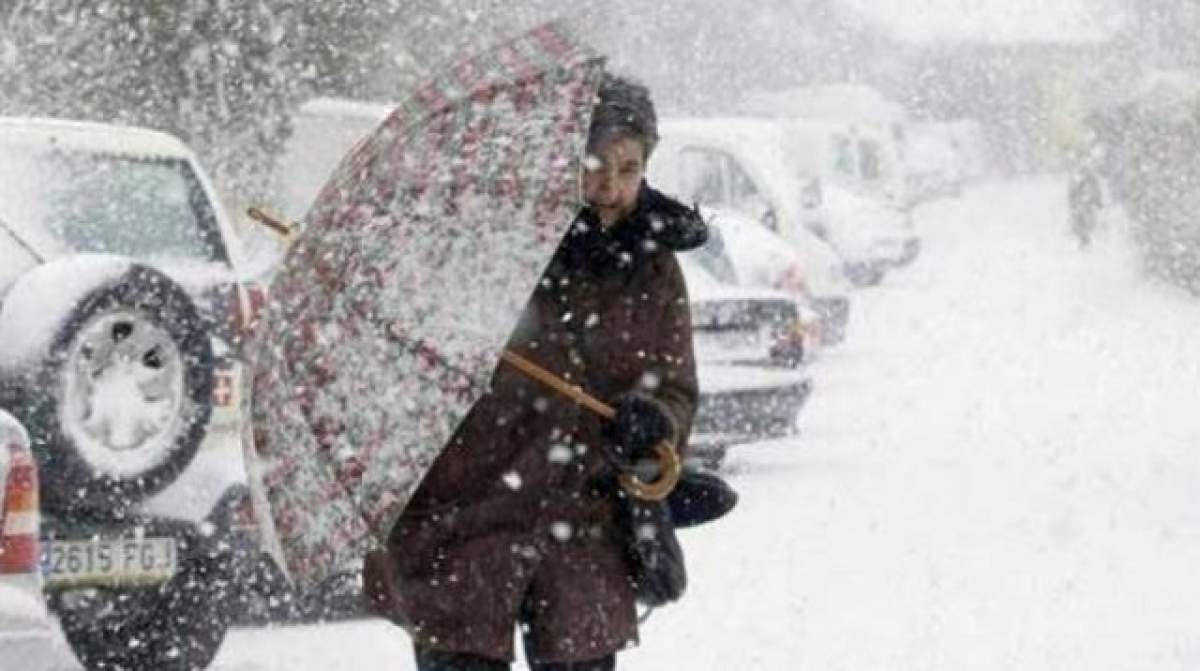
(517, 521)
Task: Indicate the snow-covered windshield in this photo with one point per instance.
(89, 202)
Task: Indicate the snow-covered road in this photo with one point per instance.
(999, 469)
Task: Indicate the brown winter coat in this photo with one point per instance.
(515, 521)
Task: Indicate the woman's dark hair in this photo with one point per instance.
(623, 109)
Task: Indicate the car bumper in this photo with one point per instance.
(757, 403)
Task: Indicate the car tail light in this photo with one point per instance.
(788, 344)
(20, 517)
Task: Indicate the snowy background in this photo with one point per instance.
(998, 468)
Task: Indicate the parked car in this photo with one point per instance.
(324, 130)
(736, 164)
(741, 252)
(120, 354)
(750, 357)
(25, 625)
(849, 135)
(935, 166)
(867, 227)
(20, 576)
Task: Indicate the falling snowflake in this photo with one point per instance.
(559, 454)
(561, 531)
(513, 480)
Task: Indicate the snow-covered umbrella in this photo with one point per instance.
(390, 311)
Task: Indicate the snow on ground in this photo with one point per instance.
(998, 470)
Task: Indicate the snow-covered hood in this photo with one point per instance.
(762, 257)
(859, 225)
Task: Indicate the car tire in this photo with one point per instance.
(134, 346)
(178, 626)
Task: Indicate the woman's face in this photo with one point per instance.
(612, 174)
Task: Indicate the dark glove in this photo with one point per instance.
(640, 423)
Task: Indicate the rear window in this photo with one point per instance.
(86, 202)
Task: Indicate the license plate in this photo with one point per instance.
(108, 561)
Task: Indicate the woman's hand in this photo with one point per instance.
(640, 423)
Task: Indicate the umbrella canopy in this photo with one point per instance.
(389, 313)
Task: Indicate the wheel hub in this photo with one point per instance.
(124, 393)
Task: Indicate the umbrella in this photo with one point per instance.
(390, 310)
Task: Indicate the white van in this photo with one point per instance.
(323, 131)
(739, 164)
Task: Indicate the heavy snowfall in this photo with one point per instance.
(995, 468)
(998, 471)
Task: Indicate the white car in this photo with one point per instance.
(737, 164)
(27, 631)
(120, 354)
(21, 605)
(324, 130)
(867, 227)
(742, 252)
(750, 352)
(934, 165)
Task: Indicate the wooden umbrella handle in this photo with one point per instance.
(273, 223)
(558, 384)
(669, 464)
(670, 469)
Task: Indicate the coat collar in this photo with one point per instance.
(658, 224)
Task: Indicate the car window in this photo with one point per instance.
(742, 186)
(701, 177)
(137, 207)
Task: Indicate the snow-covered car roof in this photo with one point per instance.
(759, 145)
(92, 136)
